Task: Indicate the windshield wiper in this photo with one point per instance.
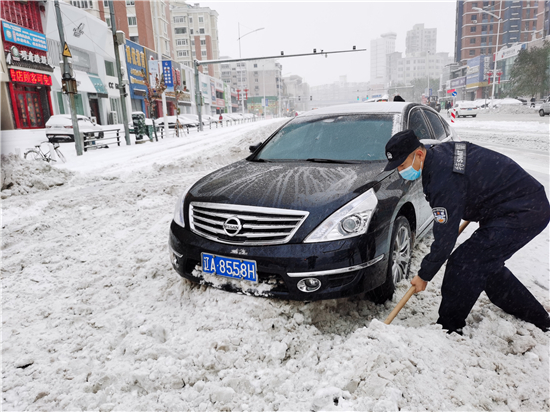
(315, 160)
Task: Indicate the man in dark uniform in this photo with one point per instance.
(464, 181)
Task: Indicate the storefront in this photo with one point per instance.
(459, 84)
(91, 60)
(29, 77)
(475, 74)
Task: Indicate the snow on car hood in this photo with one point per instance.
(301, 186)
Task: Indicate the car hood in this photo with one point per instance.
(315, 187)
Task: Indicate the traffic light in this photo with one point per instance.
(299, 98)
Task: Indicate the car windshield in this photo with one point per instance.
(335, 138)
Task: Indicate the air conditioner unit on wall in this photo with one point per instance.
(113, 118)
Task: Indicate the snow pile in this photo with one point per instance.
(508, 109)
(95, 318)
(27, 176)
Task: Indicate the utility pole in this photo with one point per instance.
(121, 85)
(161, 68)
(68, 81)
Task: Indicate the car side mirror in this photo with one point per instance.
(253, 148)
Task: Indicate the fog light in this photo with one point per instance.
(174, 259)
(309, 285)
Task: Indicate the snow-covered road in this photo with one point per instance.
(95, 318)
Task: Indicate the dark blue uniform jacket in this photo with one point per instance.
(474, 184)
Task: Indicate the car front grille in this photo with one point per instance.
(244, 225)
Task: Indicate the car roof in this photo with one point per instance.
(378, 107)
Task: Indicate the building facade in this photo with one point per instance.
(195, 35)
(420, 39)
(25, 70)
(380, 49)
(476, 31)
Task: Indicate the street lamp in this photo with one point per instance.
(239, 39)
(496, 47)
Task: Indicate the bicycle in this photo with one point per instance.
(38, 154)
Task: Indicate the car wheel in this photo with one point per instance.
(399, 261)
(100, 135)
(474, 115)
(541, 113)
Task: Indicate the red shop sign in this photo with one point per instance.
(22, 76)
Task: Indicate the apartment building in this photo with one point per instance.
(339, 92)
(420, 39)
(476, 31)
(195, 35)
(416, 65)
(379, 50)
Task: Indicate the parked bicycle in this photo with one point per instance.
(38, 154)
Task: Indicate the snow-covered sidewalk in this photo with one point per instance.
(95, 318)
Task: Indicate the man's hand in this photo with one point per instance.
(419, 284)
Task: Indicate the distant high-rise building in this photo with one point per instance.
(380, 49)
(195, 33)
(476, 32)
(420, 39)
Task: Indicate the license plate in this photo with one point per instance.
(229, 267)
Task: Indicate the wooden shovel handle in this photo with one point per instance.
(400, 305)
(412, 290)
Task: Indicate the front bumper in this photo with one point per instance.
(345, 268)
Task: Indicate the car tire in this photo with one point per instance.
(399, 261)
(474, 115)
(541, 113)
(100, 135)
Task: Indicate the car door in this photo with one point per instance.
(440, 132)
(419, 124)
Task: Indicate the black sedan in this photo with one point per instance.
(310, 214)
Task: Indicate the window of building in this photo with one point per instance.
(109, 68)
(135, 39)
(201, 19)
(130, 2)
(105, 3)
(256, 87)
(182, 53)
(472, 52)
(165, 27)
(473, 29)
(179, 19)
(190, 31)
(255, 65)
(474, 17)
(484, 28)
(203, 53)
(180, 30)
(132, 21)
(201, 30)
(108, 21)
(473, 40)
(181, 42)
(203, 42)
(190, 20)
(82, 4)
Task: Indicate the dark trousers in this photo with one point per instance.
(478, 265)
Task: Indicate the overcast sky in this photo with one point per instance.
(298, 27)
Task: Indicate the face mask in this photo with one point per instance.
(410, 173)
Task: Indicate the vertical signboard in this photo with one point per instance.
(135, 62)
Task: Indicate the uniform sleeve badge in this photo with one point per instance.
(440, 214)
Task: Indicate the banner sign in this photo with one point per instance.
(167, 71)
(25, 37)
(135, 61)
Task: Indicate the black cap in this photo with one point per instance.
(399, 147)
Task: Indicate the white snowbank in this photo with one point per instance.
(95, 318)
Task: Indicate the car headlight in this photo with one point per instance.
(350, 220)
(178, 211)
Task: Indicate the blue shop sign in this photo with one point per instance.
(25, 37)
(167, 71)
(135, 62)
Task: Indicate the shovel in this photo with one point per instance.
(412, 289)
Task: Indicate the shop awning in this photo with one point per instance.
(99, 86)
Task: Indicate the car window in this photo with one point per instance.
(348, 137)
(418, 125)
(437, 127)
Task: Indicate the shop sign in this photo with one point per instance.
(167, 72)
(25, 37)
(511, 51)
(23, 76)
(213, 90)
(458, 82)
(220, 102)
(135, 61)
